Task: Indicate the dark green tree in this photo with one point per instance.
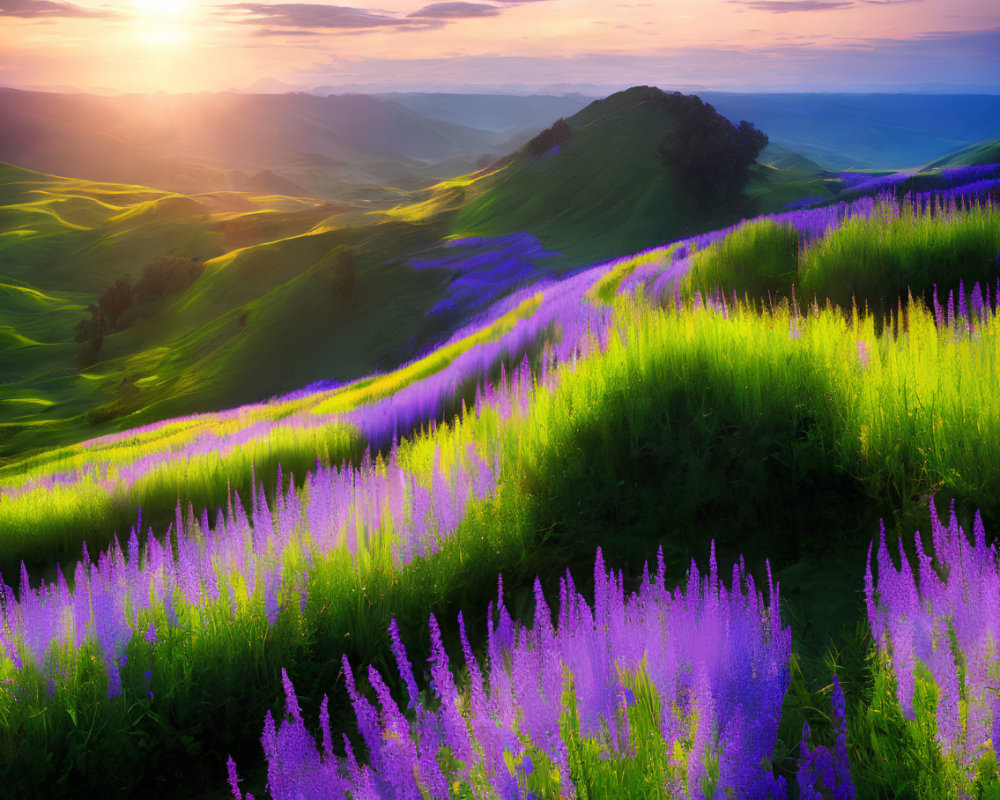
(558, 134)
(90, 336)
(711, 156)
(90, 329)
(116, 300)
(166, 275)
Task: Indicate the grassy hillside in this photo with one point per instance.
(605, 192)
(592, 411)
(269, 269)
(267, 277)
(987, 152)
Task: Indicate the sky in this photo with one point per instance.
(502, 45)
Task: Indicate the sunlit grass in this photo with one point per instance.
(665, 421)
(873, 259)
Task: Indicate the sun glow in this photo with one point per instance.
(160, 6)
(163, 22)
(165, 36)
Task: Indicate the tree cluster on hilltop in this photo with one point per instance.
(558, 134)
(711, 156)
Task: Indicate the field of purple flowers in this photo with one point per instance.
(686, 394)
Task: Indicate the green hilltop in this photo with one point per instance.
(606, 192)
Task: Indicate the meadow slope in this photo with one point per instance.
(664, 401)
(376, 283)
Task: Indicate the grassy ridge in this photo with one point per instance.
(201, 460)
(987, 152)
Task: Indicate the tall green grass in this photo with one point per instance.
(877, 260)
(757, 260)
(872, 261)
(766, 429)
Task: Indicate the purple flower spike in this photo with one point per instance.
(726, 683)
(234, 781)
(977, 304)
(918, 617)
(864, 351)
(403, 664)
(822, 773)
(291, 701)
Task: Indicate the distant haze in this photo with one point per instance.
(353, 146)
(512, 46)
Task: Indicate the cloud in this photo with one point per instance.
(934, 61)
(35, 9)
(277, 18)
(282, 32)
(315, 15)
(456, 10)
(982, 43)
(786, 6)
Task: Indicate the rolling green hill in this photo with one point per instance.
(606, 192)
(289, 293)
(986, 152)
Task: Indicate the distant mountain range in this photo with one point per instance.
(505, 114)
(365, 149)
(205, 142)
(869, 131)
(836, 131)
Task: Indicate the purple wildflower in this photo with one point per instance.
(234, 781)
(728, 682)
(864, 351)
(922, 617)
(819, 769)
